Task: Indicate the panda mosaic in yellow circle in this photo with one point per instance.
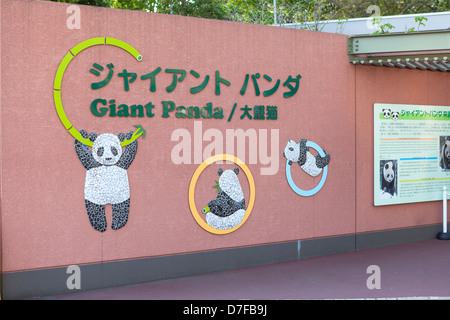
(228, 209)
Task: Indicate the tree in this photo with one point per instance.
(141, 5)
(210, 9)
(310, 14)
(98, 3)
(281, 11)
(314, 14)
(357, 8)
(250, 11)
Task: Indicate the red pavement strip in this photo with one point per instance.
(412, 271)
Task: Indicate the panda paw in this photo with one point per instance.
(92, 136)
(84, 134)
(122, 136)
(321, 162)
(303, 150)
(129, 135)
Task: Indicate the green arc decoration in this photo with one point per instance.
(60, 73)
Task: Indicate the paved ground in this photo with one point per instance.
(418, 270)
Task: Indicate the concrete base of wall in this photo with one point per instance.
(52, 281)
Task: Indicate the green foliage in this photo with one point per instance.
(97, 3)
(211, 9)
(217, 186)
(384, 28)
(287, 11)
(357, 8)
(250, 11)
(419, 20)
(420, 23)
(141, 5)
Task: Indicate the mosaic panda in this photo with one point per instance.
(388, 178)
(299, 153)
(106, 177)
(228, 209)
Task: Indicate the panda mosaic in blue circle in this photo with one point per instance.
(299, 153)
(106, 177)
(312, 165)
(228, 209)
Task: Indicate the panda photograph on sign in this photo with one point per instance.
(444, 153)
(388, 179)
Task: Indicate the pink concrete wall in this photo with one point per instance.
(396, 86)
(44, 221)
(1, 255)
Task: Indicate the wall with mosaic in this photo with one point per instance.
(247, 135)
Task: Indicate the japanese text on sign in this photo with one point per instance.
(101, 107)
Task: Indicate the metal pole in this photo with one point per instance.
(444, 235)
(274, 12)
(444, 213)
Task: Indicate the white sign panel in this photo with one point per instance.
(411, 153)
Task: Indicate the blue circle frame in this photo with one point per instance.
(308, 193)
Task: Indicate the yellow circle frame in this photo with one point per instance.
(193, 183)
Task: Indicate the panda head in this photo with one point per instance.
(447, 149)
(292, 151)
(395, 115)
(229, 183)
(107, 149)
(386, 113)
(389, 171)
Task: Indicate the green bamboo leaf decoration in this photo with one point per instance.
(217, 186)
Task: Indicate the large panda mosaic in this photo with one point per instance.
(106, 165)
(106, 177)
